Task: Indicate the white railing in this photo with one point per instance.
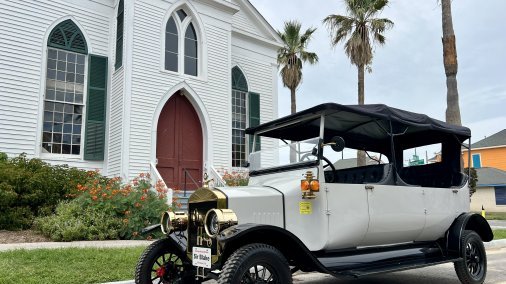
(217, 179)
(156, 177)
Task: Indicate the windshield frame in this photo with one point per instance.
(299, 165)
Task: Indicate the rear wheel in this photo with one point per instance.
(160, 264)
(256, 263)
(472, 269)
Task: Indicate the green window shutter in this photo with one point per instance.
(94, 140)
(254, 117)
(119, 36)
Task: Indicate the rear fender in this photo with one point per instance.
(467, 221)
(287, 243)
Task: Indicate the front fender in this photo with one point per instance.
(287, 243)
(467, 221)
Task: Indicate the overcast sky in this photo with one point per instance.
(408, 71)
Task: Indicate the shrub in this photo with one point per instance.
(73, 222)
(235, 178)
(132, 205)
(31, 187)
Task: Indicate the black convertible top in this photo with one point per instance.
(363, 126)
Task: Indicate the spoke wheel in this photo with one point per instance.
(472, 269)
(256, 263)
(160, 264)
(259, 274)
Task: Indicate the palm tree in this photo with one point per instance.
(450, 64)
(359, 29)
(292, 55)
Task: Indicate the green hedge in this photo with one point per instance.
(31, 188)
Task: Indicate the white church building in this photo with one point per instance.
(133, 86)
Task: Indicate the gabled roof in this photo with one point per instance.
(263, 24)
(490, 177)
(497, 139)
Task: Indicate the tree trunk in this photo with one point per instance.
(361, 98)
(450, 65)
(293, 100)
(293, 153)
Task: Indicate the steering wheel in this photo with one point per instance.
(327, 161)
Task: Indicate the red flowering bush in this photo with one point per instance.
(236, 178)
(135, 205)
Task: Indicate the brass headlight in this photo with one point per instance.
(217, 220)
(174, 221)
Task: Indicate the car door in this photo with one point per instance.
(396, 214)
(348, 214)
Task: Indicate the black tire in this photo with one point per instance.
(159, 263)
(254, 261)
(472, 269)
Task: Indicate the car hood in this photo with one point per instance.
(255, 204)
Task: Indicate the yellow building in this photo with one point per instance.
(489, 152)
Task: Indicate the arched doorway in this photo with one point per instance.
(179, 144)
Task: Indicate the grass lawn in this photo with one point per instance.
(499, 234)
(495, 215)
(69, 265)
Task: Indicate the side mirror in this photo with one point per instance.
(336, 143)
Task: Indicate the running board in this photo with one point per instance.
(392, 267)
(363, 262)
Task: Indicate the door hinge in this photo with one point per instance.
(371, 187)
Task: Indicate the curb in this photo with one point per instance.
(496, 244)
(77, 244)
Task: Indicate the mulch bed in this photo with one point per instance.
(25, 236)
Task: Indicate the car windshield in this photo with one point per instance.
(285, 155)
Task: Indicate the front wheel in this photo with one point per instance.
(161, 264)
(472, 269)
(256, 263)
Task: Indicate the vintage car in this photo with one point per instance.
(300, 212)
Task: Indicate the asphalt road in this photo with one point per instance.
(443, 273)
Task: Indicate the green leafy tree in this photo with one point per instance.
(292, 56)
(359, 29)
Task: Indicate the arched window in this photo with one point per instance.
(183, 43)
(64, 93)
(171, 45)
(190, 51)
(119, 35)
(239, 122)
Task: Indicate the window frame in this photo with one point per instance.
(479, 157)
(181, 28)
(502, 188)
(61, 156)
(246, 140)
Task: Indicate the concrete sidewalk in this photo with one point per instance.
(78, 244)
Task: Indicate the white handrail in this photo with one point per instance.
(156, 177)
(218, 180)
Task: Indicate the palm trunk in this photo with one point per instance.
(293, 153)
(293, 100)
(361, 98)
(451, 65)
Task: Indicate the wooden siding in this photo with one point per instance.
(492, 157)
(243, 21)
(24, 25)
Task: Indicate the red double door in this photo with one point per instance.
(179, 146)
